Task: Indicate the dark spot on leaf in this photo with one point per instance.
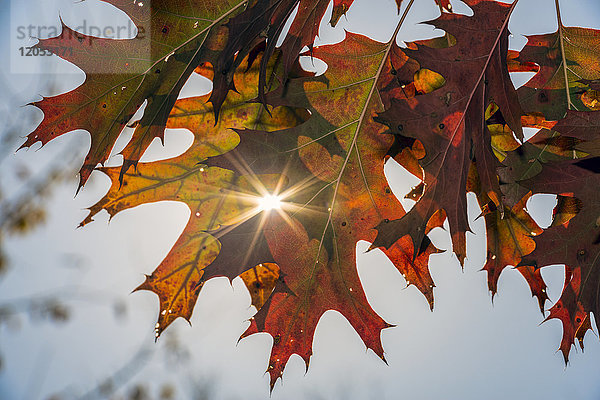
(343, 224)
(276, 339)
(542, 97)
(441, 126)
(157, 71)
(104, 105)
(400, 128)
(578, 320)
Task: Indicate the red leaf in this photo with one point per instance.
(122, 74)
(449, 120)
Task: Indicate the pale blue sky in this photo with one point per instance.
(466, 349)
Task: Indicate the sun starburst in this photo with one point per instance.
(270, 202)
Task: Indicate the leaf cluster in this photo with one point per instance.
(445, 109)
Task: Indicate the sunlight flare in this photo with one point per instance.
(269, 202)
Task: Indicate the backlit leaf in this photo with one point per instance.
(449, 120)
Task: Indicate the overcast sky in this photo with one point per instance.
(466, 349)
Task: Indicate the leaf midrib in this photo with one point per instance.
(352, 147)
(561, 40)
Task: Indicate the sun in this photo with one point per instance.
(269, 202)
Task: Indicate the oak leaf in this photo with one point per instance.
(335, 195)
(572, 239)
(172, 39)
(224, 206)
(450, 120)
(567, 62)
